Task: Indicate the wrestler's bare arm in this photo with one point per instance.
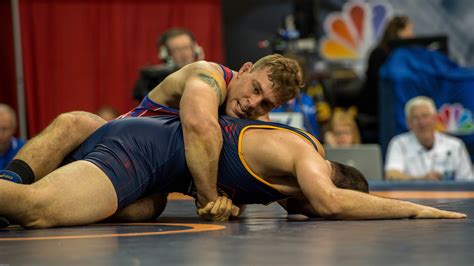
(198, 90)
(171, 89)
(202, 134)
(313, 175)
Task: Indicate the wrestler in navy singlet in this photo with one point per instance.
(144, 155)
(235, 177)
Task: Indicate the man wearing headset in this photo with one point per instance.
(177, 47)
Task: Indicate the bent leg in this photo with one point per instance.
(144, 209)
(45, 152)
(76, 194)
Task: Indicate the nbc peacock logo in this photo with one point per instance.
(455, 119)
(350, 34)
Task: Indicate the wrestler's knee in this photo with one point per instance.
(79, 120)
(76, 125)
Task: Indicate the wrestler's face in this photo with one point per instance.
(250, 94)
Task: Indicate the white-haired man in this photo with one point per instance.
(424, 153)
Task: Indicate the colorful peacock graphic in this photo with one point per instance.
(455, 119)
(350, 34)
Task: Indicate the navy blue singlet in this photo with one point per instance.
(146, 155)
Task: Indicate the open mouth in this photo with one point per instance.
(240, 111)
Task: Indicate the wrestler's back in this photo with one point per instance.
(243, 182)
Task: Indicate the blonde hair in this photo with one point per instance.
(344, 118)
(419, 101)
(285, 73)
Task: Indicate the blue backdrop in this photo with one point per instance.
(410, 72)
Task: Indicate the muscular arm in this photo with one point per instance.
(202, 135)
(334, 203)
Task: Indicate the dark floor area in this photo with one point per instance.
(264, 236)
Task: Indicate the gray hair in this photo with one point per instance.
(4, 108)
(419, 101)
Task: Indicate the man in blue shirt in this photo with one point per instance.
(304, 104)
(9, 145)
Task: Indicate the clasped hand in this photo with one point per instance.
(219, 210)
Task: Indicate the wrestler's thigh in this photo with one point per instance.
(75, 194)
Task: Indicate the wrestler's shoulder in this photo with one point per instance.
(202, 66)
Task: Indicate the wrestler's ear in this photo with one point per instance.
(247, 66)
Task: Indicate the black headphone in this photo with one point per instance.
(164, 53)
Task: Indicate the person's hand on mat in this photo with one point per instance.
(432, 213)
(219, 210)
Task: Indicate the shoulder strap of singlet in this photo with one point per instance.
(265, 125)
(228, 74)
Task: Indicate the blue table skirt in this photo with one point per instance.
(377, 185)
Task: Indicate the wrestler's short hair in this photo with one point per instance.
(348, 177)
(285, 73)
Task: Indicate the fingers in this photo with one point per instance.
(222, 209)
(222, 206)
(433, 213)
(453, 215)
(206, 209)
(219, 210)
(235, 211)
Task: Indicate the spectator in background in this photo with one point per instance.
(108, 113)
(399, 27)
(9, 145)
(423, 153)
(342, 130)
(177, 47)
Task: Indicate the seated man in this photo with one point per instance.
(259, 163)
(177, 47)
(199, 90)
(423, 153)
(9, 145)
